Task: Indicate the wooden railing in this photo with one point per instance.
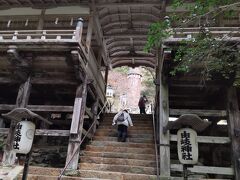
(34, 35)
(82, 139)
(61, 36)
(220, 33)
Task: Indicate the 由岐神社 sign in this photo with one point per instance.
(187, 146)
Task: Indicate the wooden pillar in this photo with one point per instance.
(106, 77)
(41, 20)
(79, 30)
(89, 33)
(164, 140)
(22, 101)
(77, 126)
(234, 128)
(99, 56)
(95, 113)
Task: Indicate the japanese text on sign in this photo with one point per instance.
(187, 146)
(17, 136)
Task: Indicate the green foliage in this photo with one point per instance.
(201, 7)
(214, 58)
(147, 82)
(157, 33)
(123, 69)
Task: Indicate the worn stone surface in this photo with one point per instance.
(120, 155)
(120, 149)
(107, 158)
(117, 175)
(130, 139)
(123, 144)
(117, 161)
(47, 157)
(118, 168)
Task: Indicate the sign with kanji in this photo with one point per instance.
(23, 137)
(17, 136)
(187, 146)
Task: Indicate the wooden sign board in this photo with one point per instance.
(187, 146)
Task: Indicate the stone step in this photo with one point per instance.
(133, 116)
(46, 173)
(118, 161)
(120, 149)
(129, 139)
(133, 119)
(122, 144)
(130, 135)
(46, 177)
(135, 123)
(116, 175)
(150, 157)
(118, 168)
(132, 128)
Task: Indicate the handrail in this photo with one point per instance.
(155, 141)
(60, 176)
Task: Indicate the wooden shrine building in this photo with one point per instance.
(55, 56)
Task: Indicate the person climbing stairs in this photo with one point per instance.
(105, 157)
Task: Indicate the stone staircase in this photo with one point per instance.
(106, 158)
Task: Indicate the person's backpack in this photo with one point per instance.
(121, 118)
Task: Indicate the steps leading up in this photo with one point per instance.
(105, 158)
(122, 144)
(45, 173)
(118, 168)
(117, 161)
(130, 139)
(120, 155)
(130, 160)
(116, 175)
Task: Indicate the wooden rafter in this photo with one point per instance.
(132, 4)
(135, 16)
(99, 33)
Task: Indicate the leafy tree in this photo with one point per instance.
(214, 55)
(122, 69)
(147, 82)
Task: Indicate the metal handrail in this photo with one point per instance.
(60, 176)
(155, 141)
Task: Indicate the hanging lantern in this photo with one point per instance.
(187, 146)
(23, 137)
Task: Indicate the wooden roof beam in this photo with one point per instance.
(137, 16)
(99, 34)
(6, 2)
(116, 43)
(151, 59)
(133, 4)
(142, 24)
(21, 65)
(136, 63)
(124, 35)
(125, 49)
